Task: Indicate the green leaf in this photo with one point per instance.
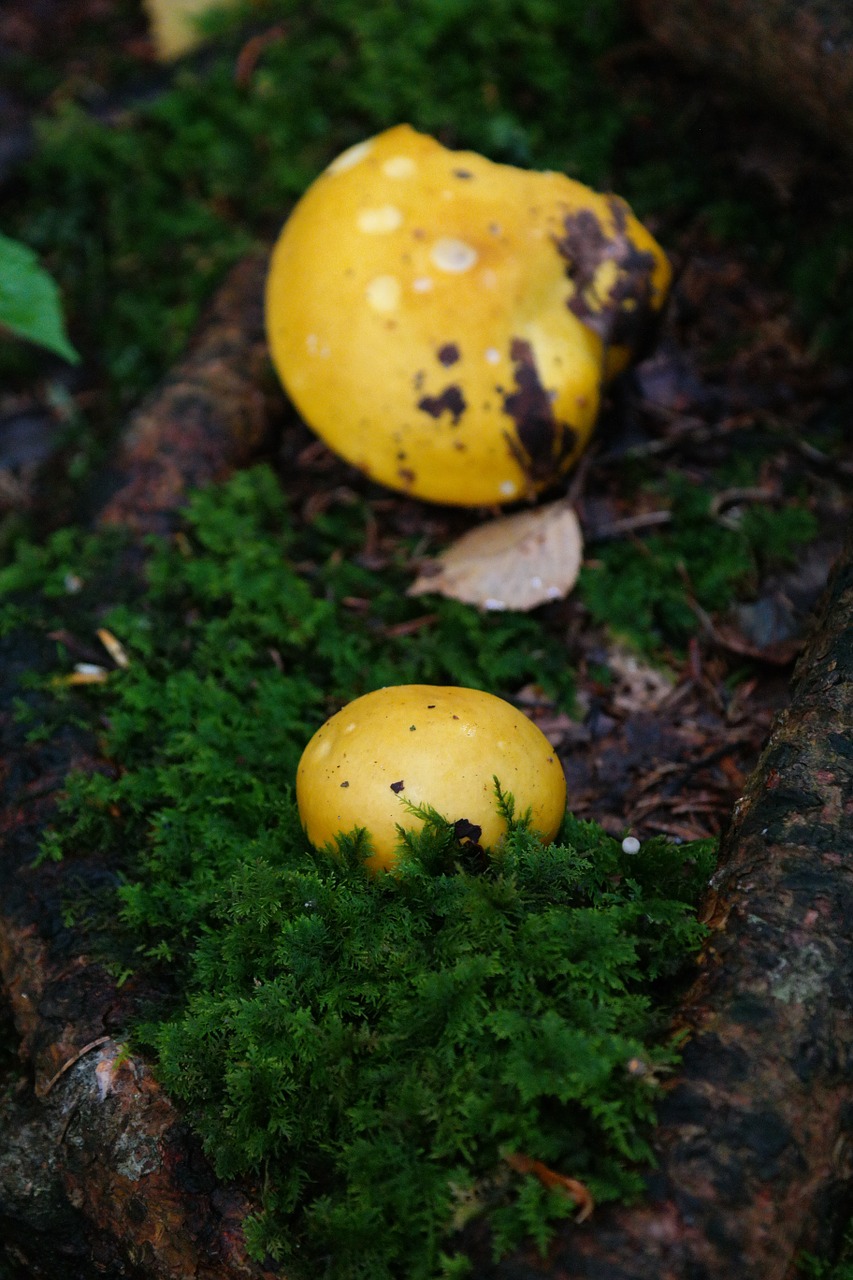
(29, 300)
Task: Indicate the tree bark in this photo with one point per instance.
(213, 413)
(796, 54)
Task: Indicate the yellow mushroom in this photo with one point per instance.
(446, 323)
(436, 745)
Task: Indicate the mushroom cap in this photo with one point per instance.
(445, 323)
(436, 745)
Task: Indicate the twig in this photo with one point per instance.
(72, 1061)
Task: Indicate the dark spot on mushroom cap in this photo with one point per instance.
(451, 400)
(543, 442)
(344, 784)
(465, 830)
(406, 475)
(584, 246)
(418, 379)
(397, 787)
(462, 173)
(448, 354)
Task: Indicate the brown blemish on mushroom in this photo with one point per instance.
(451, 400)
(407, 476)
(397, 787)
(621, 311)
(543, 441)
(448, 354)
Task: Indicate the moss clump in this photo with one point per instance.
(374, 1047)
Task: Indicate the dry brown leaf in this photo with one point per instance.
(514, 562)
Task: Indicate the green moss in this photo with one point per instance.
(367, 1051)
(652, 591)
(375, 1047)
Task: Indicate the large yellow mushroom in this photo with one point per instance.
(446, 323)
(436, 745)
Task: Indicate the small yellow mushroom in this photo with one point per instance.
(446, 323)
(435, 745)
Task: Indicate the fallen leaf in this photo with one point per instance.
(513, 562)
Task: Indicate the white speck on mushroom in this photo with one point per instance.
(325, 352)
(312, 343)
(378, 221)
(450, 254)
(351, 157)
(554, 593)
(422, 284)
(493, 355)
(399, 167)
(493, 604)
(630, 845)
(508, 488)
(489, 278)
(536, 581)
(383, 293)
